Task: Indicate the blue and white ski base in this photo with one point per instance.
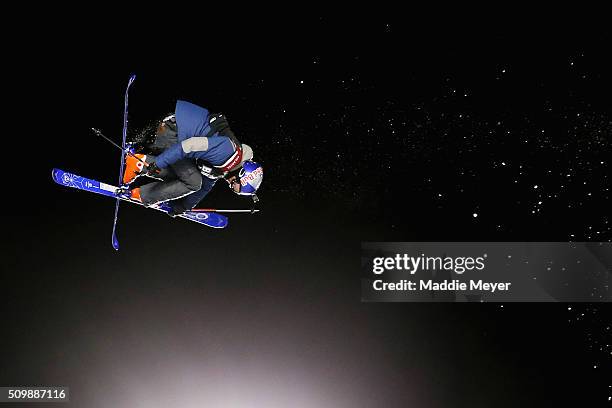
(210, 219)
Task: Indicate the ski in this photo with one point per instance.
(209, 218)
(253, 211)
(114, 239)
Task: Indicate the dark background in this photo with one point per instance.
(397, 133)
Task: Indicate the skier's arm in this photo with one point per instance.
(187, 149)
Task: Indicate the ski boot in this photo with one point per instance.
(133, 167)
(131, 194)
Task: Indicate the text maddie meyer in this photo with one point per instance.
(412, 264)
(452, 285)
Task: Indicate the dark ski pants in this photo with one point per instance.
(190, 201)
(179, 180)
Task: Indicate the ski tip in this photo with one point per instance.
(115, 243)
(55, 175)
(132, 78)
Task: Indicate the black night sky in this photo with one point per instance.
(368, 131)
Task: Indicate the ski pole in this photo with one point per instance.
(221, 211)
(126, 151)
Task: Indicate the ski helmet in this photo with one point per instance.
(250, 177)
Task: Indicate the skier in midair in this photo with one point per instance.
(192, 149)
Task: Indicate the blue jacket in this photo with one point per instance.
(192, 123)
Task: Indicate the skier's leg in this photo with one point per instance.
(190, 201)
(188, 179)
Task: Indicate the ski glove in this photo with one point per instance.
(218, 122)
(153, 170)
